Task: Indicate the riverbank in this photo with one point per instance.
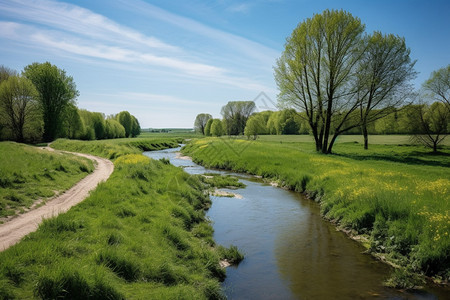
(395, 197)
(141, 234)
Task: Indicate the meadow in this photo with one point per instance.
(395, 197)
(142, 234)
(29, 173)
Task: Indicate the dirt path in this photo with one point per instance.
(14, 230)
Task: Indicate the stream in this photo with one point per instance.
(290, 251)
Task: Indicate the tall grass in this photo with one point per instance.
(29, 173)
(140, 235)
(398, 196)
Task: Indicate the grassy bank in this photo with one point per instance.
(140, 235)
(114, 148)
(29, 173)
(396, 196)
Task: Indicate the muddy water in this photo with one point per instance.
(290, 251)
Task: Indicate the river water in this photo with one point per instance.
(290, 251)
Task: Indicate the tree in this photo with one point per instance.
(236, 114)
(19, 108)
(135, 127)
(315, 70)
(431, 123)
(73, 125)
(124, 118)
(208, 127)
(255, 125)
(382, 78)
(6, 72)
(200, 122)
(439, 85)
(217, 128)
(113, 129)
(56, 90)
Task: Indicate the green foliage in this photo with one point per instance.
(396, 195)
(208, 127)
(56, 90)
(162, 250)
(200, 122)
(126, 121)
(20, 110)
(217, 128)
(439, 85)
(231, 254)
(135, 127)
(235, 115)
(31, 173)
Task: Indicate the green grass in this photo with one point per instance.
(397, 196)
(29, 173)
(142, 234)
(373, 139)
(114, 148)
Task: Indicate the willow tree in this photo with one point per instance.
(315, 71)
(200, 122)
(382, 78)
(235, 115)
(56, 90)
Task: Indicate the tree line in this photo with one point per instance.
(336, 79)
(39, 104)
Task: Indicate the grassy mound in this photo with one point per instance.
(29, 173)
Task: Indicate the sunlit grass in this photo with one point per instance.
(140, 235)
(29, 173)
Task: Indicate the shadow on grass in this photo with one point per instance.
(424, 158)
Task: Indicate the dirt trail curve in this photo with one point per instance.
(15, 229)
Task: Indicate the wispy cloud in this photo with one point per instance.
(246, 47)
(239, 7)
(78, 20)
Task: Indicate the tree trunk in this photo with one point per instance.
(366, 135)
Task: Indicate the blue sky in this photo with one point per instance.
(167, 61)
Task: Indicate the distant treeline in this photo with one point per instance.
(40, 105)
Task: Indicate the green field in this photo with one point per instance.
(397, 197)
(29, 173)
(140, 235)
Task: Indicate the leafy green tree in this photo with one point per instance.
(56, 90)
(135, 127)
(200, 122)
(125, 119)
(236, 114)
(439, 85)
(382, 78)
(88, 125)
(315, 70)
(73, 125)
(255, 126)
(431, 123)
(98, 123)
(217, 128)
(208, 127)
(19, 109)
(113, 129)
